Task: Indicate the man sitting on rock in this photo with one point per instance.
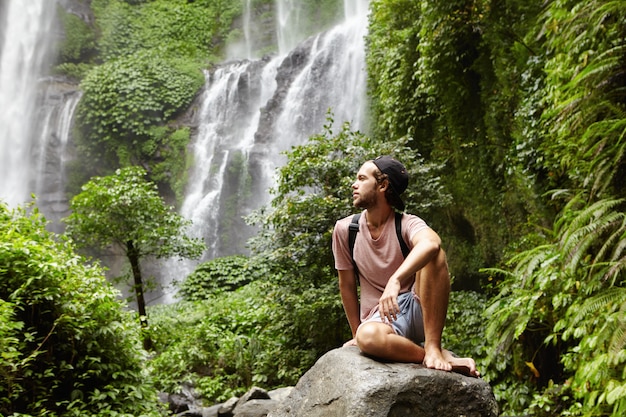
(404, 301)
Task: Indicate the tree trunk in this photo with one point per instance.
(133, 257)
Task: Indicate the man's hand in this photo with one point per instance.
(388, 302)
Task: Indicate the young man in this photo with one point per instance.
(403, 301)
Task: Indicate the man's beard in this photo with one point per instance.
(366, 201)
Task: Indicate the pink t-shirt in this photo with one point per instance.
(377, 259)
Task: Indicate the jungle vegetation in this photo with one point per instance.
(510, 114)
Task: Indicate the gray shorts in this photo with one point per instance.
(409, 322)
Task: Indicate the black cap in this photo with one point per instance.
(396, 174)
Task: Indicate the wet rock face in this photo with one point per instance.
(344, 383)
(80, 8)
(289, 69)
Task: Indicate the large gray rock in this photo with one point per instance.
(345, 383)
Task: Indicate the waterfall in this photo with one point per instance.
(287, 25)
(254, 110)
(52, 150)
(24, 53)
(333, 78)
(229, 115)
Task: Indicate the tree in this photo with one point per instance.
(126, 211)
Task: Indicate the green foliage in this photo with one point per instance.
(563, 301)
(77, 50)
(524, 102)
(123, 208)
(167, 151)
(73, 71)
(126, 211)
(220, 274)
(125, 100)
(233, 340)
(562, 309)
(68, 346)
(433, 75)
(175, 27)
(151, 55)
(464, 333)
(392, 45)
(585, 118)
(79, 43)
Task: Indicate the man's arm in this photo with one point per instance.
(426, 244)
(349, 298)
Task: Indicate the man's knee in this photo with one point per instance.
(370, 337)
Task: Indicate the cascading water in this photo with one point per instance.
(24, 54)
(288, 22)
(51, 151)
(252, 111)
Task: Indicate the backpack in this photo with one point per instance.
(353, 229)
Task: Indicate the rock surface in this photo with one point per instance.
(345, 383)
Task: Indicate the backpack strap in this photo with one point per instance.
(403, 245)
(353, 229)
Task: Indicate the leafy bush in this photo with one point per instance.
(68, 346)
(125, 105)
(195, 30)
(79, 43)
(559, 320)
(124, 98)
(217, 275)
(230, 341)
(464, 333)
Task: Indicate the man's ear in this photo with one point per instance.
(384, 185)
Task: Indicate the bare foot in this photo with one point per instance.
(465, 366)
(434, 359)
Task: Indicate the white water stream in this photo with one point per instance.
(24, 55)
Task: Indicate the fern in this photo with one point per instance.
(598, 229)
(568, 291)
(585, 115)
(599, 303)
